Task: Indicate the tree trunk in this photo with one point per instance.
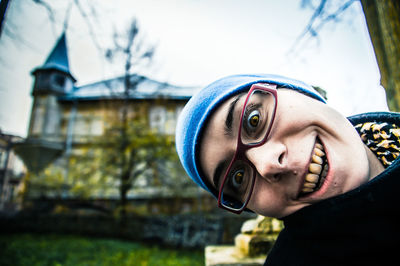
(3, 8)
(125, 167)
(123, 196)
(383, 20)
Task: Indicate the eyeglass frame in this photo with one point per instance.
(241, 148)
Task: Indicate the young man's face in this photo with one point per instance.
(293, 170)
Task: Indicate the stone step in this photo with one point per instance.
(230, 256)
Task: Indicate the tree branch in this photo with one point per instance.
(89, 24)
(50, 13)
(318, 20)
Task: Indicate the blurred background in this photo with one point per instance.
(89, 97)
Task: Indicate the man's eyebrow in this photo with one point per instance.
(229, 116)
(228, 131)
(218, 173)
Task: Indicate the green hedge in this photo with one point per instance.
(57, 250)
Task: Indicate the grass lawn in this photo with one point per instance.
(57, 250)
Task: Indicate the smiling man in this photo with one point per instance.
(271, 145)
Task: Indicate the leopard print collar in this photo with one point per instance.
(383, 139)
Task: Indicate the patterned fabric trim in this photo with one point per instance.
(382, 139)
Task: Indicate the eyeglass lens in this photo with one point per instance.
(257, 117)
(256, 123)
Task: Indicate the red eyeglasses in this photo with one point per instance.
(256, 121)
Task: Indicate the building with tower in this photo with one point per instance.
(70, 123)
(52, 80)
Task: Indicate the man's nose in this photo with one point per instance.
(269, 159)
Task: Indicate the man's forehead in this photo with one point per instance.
(224, 108)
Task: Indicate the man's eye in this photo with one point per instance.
(238, 178)
(253, 119)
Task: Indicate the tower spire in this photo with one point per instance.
(54, 76)
(58, 58)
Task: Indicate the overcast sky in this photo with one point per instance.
(197, 41)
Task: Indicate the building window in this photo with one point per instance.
(157, 118)
(96, 126)
(87, 125)
(81, 127)
(58, 80)
(38, 116)
(164, 120)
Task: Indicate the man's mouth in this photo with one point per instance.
(317, 170)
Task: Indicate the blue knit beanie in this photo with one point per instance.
(201, 106)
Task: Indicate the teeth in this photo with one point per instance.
(313, 178)
(309, 185)
(306, 190)
(325, 170)
(317, 170)
(319, 152)
(317, 159)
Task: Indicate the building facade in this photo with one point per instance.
(85, 121)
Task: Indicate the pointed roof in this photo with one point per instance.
(58, 58)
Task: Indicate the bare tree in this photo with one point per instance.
(383, 20)
(87, 10)
(324, 12)
(130, 47)
(135, 54)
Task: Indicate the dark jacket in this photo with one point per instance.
(360, 227)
